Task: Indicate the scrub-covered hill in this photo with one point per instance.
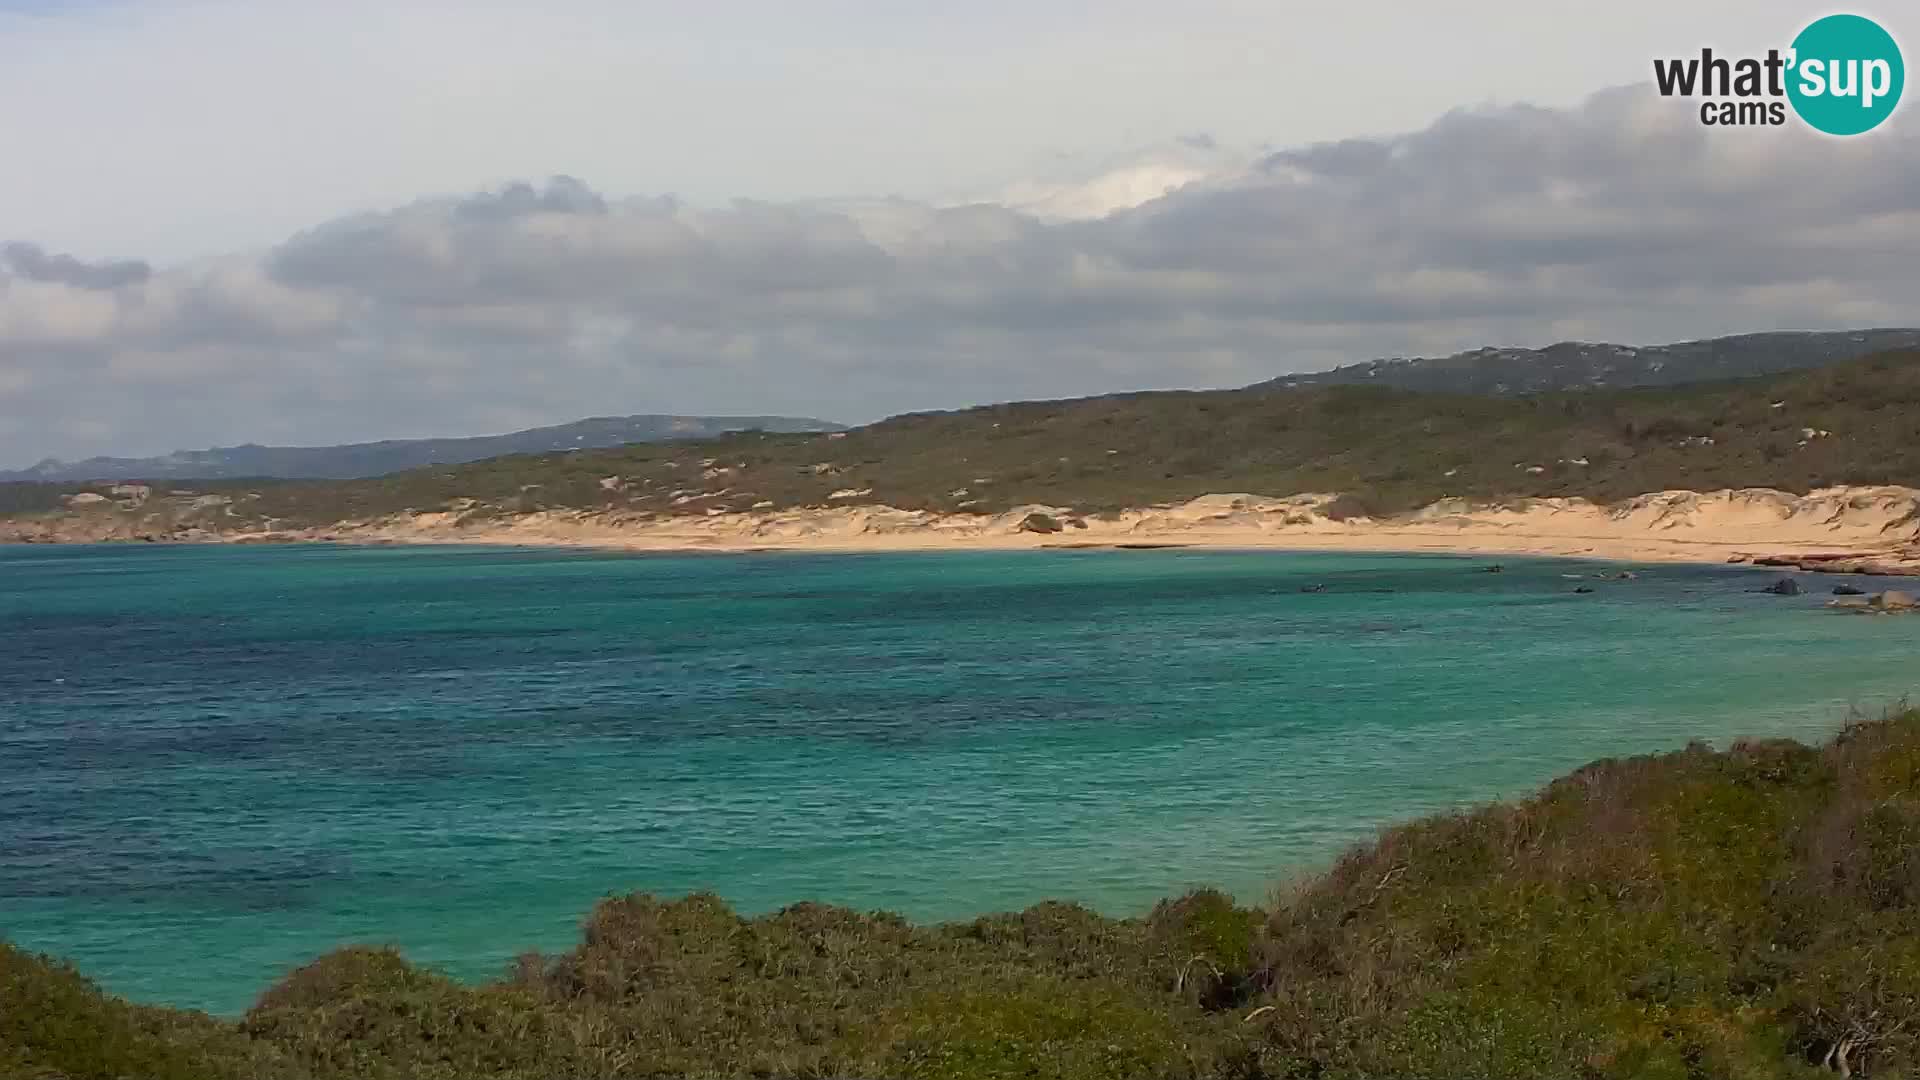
(1856, 423)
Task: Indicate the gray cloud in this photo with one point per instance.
(35, 264)
(1622, 219)
(561, 195)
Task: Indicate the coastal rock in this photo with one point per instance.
(1893, 563)
(1217, 506)
(1848, 590)
(1038, 523)
(1883, 603)
(1783, 587)
(1908, 566)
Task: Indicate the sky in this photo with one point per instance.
(314, 223)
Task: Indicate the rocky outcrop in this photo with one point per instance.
(1892, 601)
(135, 495)
(128, 513)
(98, 529)
(1893, 563)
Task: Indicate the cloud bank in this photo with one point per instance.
(1621, 219)
(31, 262)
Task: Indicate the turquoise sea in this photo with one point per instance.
(218, 762)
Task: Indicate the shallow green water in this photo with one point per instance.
(216, 763)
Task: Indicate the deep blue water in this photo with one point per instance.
(218, 762)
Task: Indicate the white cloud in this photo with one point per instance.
(181, 128)
(1621, 218)
(1083, 191)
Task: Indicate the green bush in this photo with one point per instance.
(56, 1024)
(1752, 914)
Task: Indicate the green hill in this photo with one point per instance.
(1852, 423)
(1581, 365)
(1737, 915)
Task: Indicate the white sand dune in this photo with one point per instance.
(1834, 527)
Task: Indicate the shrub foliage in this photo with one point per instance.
(1752, 913)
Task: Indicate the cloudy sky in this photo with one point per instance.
(313, 223)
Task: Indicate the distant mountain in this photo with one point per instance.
(1578, 365)
(358, 460)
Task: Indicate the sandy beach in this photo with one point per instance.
(1861, 529)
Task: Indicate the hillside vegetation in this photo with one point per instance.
(1753, 913)
(1852, 423)
(1582, 365)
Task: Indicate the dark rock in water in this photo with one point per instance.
(1783, 587)
(1584, 589)
(1496, 568)
(1849, 590)
(1316, 587)
(1626, 575)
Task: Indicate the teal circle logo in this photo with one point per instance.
(1846, 75)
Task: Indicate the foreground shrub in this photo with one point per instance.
(1695, 914)
(1752, 914)
(56, 1024)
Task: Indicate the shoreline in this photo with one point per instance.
(1381, 542)
(1863, 530)
(1859, 530)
